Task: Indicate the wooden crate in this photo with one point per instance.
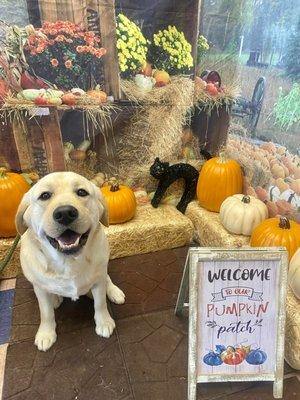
(211, 128)
(100, 16)
(35, 144)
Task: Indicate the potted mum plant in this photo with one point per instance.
(64, 54)
(171, 52)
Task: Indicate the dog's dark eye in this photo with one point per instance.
(45, 196)
(82, 193)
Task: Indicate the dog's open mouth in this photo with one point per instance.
(69, 242)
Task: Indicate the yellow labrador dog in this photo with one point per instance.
(64, 250)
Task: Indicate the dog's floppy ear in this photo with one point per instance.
(20, 220)
(102, 206)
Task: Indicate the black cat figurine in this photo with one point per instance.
(167, 174)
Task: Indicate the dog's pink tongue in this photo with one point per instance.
(69, 237)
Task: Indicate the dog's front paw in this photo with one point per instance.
(105, 327)
(45, 338)
(115, 294)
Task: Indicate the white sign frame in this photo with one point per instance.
(190, 283)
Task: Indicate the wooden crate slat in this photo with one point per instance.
(22, 145)
(106, 10)
(53, 141)
(36, 138)
(8, 150)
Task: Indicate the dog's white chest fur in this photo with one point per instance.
(65, 276)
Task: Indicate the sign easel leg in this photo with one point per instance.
(183, 288)
(278, 388)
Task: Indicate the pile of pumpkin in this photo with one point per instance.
(53, 97)
(220, 189)
(280, 191)
(149, 78)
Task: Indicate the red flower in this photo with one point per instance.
(68, 64)
(54, 62)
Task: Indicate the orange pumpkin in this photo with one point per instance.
(219, 178)
(97, 95)
(275, 232)
(121, 203)
(12, 188)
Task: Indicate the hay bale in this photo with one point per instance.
(292, 330)
(209, 231)
(13, 268)
(152, 229)
(155, 130)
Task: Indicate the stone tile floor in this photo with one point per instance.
(145, 359)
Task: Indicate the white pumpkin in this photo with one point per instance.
(240, 214)
(145, 83)
(294, 274)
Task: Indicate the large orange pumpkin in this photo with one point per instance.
(121, 203)
(219, 178)
(12, 188)
(275, 232)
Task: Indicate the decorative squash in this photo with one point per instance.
(240, 214)
(272, 209)
(294, 274)
(12, 188)
(121, 203)
(277, 232)
(269, 146)
(278, 171)
(262, 194)
(219, 178)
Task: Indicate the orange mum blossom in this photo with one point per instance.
(54, 62)
(60, 38)
(68, 64)
(79, 49)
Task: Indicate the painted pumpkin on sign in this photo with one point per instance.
(275, 232)
(240, 214)
(294, 274)
(121, 203)
(212, 359)
(233, 356)
(256, 357)
(219, 178)
(12, 188)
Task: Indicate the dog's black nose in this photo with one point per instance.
(65, 214)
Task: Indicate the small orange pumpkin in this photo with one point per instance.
(97, 95)
(121, 203)
(275, 232)
(12, 188)
(219, 178)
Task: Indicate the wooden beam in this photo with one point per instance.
(107, 17)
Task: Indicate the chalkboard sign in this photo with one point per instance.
(236, 315)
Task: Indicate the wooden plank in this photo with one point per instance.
(106, 10)
(36, 138)
(8, 150)
(53, 142)
(191, 28)
(22, 144)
